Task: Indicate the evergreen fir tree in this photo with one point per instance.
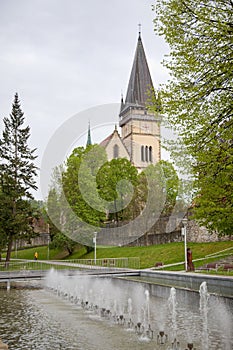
(17, 176)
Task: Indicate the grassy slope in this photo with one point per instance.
(167, 253)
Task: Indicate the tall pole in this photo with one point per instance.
(48, 249)
(184, 233)
(94, 241)
(16, 248)
(48, 241)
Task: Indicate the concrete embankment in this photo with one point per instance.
(217, 285)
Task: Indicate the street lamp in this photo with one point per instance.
(48, 237)
(94, 241)
(16, 248)
(184, 233)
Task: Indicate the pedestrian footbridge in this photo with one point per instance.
(18, 270)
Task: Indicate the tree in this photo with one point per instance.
(82, 208)
(54, 210)
(58, 238)
(171, 184)
(198, 99)
(3, 236)
(79, 183)
(17, 177)
(163, 176)
(116, 180)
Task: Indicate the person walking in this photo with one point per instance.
(190, 260)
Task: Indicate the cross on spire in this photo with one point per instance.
(139, 28)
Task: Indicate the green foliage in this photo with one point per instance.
(62, 241)
(171, 184)
(198, 99)
(73, 205)
(79, 184)
(116, 180)
(161, 180)
(17, 173)
(17, 168)
(54, 214)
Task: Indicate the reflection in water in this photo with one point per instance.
(42, 320)
(35, 319)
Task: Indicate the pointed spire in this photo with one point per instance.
(140, 82)
(139, 30)
(89, 135)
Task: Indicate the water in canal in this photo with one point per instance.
(87, 313)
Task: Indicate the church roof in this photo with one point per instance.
(140, 82)
(105, 142)
(109, 138)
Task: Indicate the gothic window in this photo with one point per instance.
(150, 154)
(142, 154)
(115, 151)
(146, 154)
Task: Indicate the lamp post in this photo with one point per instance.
(16, 248)
(184, 233)
(48, 241)
(94, 241)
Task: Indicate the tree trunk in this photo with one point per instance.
(69, 250)
(8, 254)
(116, 213)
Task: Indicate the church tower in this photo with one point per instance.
(140, 128)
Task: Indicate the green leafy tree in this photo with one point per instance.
(198, 99)
(79, 183)
(213, 203)
(163, 176)
(116, 181)
(171, 185)
(17, 177)
(82, 208)
(54, 209)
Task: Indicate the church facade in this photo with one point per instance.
(139, 141)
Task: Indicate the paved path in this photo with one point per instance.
(218, 285)
(70, 268)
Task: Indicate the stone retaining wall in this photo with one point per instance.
(165, 230)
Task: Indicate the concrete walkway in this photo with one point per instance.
(217, 285)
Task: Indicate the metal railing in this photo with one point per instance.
(130, 263)
(40, 265)
(26, 265)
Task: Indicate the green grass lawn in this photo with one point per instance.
(29, 253)
(169, 253)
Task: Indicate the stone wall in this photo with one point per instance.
(165, 230)
(196, 233)
(40, 240)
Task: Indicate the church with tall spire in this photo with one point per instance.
(139, 140)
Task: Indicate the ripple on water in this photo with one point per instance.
(39, 320)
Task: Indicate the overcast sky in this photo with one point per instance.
(65, 56)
